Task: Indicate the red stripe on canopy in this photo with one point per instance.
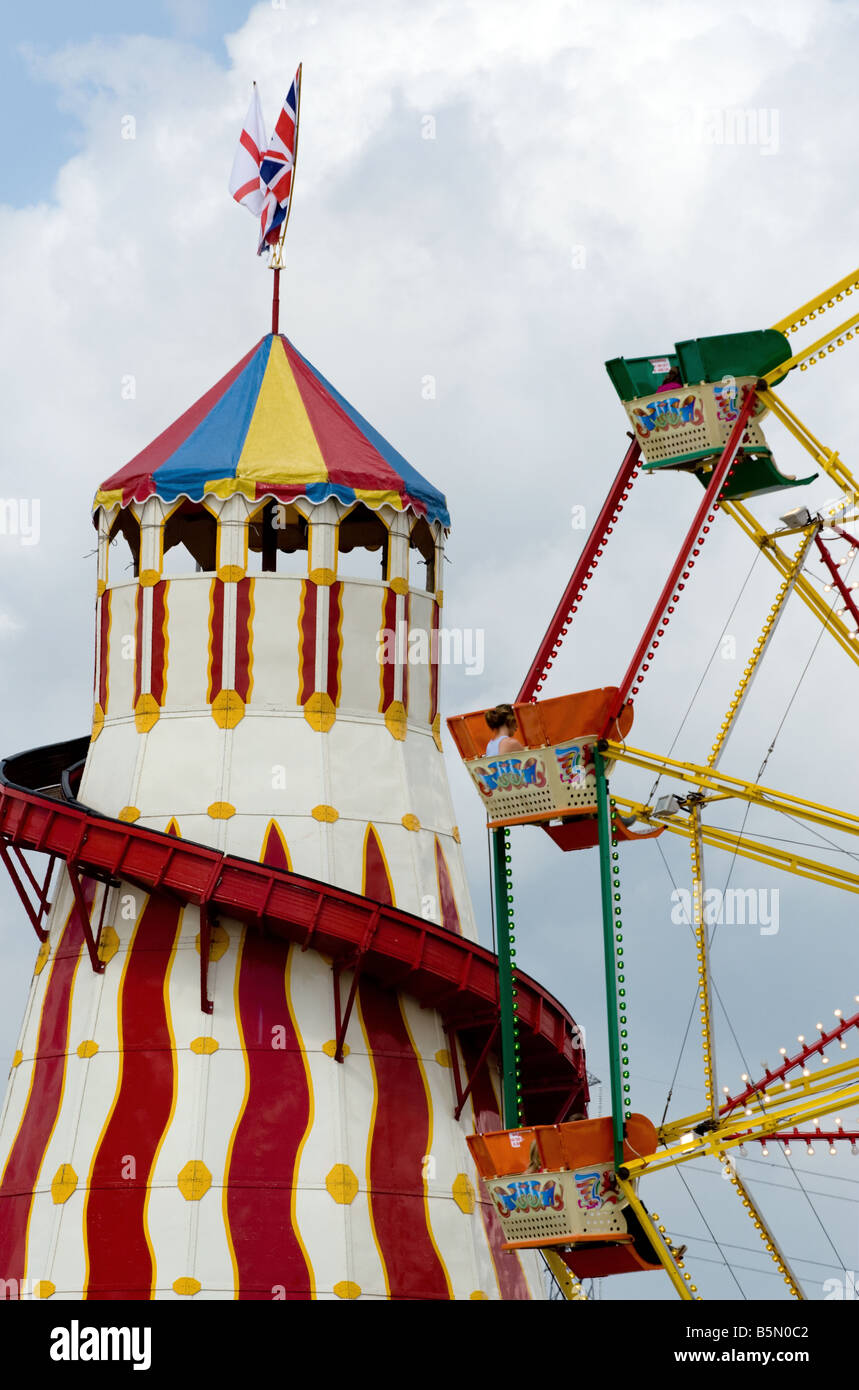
(339, 439)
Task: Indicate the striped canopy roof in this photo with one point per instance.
(274, 427)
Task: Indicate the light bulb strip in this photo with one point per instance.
(662, 1243)
(763, 1230)
(508, 1003)
(582, 574)
(680, 572)
(564, 1277)
(701, 948)
(783, 1099)
(785, 590)
(621, 995)
(809, 1136)
(743, 1130)
(834, 337)
(615, 975)
(830, 564)
(806, 1051)
(827, 299)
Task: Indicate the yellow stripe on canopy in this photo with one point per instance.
(280, 446)
(379, 497)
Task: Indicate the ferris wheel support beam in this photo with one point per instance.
(578, 582)
(775, 1252)
(710, 780)
(675, 583)
(810, 596)
(612, 954)
(810, 533)
(732, 843)
(702, 951)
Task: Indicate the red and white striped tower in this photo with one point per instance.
(305, 1138)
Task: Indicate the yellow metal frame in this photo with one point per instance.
(841, 1075)
(828, 459)
(734, 787)
(756, 1215)
(731, 842)
(701, 949)
(823, 301)
(568, 1283)
(801, 317)
(682, 1282)
(760, 647)
(811, 597)
(741, 1128)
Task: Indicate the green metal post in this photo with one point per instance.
(510, 1096)
(608, 928)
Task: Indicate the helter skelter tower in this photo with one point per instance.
(260, 1024)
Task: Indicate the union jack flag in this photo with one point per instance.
(277, 167)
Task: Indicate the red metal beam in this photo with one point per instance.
(684, 562)
(836, 577)
(462, 1095)
(586, 563)
(34, 916)
(92, 942)
(568, 1103)
(808, 1136)
(341, 1018)
(824, 1039)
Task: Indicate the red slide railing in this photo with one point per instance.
(443, 971)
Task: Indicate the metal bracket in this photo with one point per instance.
(341, 1019)
(462, 1095)
(206, 924)
(37, 917)
(92, 942)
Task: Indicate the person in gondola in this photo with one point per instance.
(502, 722)
(670, 382)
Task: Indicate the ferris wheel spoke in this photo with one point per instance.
(733, 843)
(681, 1281)
(747, 679)
(775, 1252)
(713, 781)
(702, 951)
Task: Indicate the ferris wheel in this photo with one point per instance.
(575, 1190)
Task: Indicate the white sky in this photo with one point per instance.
(563, 132)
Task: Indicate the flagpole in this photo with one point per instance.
(275, 300)
(276, 262)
